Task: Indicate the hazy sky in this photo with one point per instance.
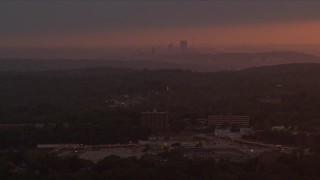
(107, 23)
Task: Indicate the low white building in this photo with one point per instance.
(227, 133)
(278, 128)
(246, 131)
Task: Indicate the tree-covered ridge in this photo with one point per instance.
(36, 165)
(180, 91)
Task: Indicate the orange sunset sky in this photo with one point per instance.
(141, 23)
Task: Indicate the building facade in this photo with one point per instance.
(155, 121)
(241, 121)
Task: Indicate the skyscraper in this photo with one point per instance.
(153, 51)
(170, 47)
(183, 45)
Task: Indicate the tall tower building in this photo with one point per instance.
(183, 45)
(170, 47)
(153, 51)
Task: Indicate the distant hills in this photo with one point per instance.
(192, 61)
(236, 61)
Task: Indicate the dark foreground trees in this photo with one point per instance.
(35, 165)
